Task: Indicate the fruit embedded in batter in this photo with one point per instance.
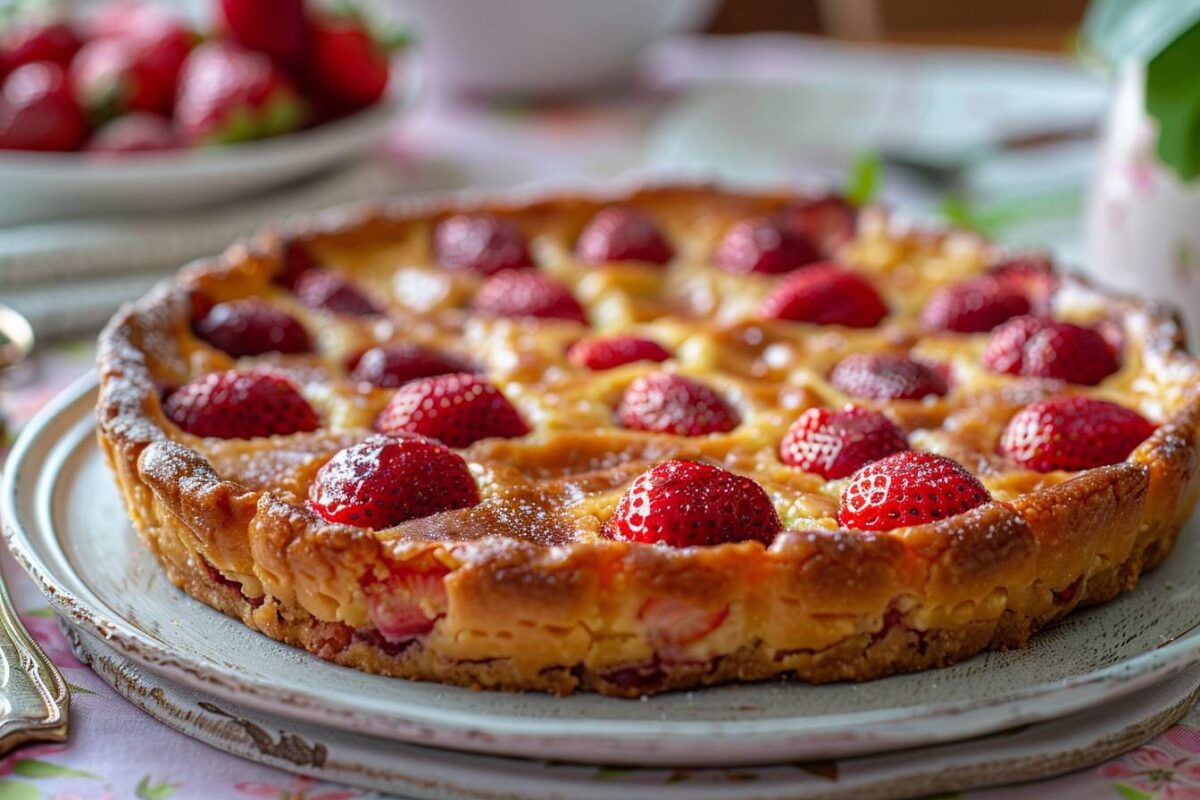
(480, 243)
(609, 352)
(908, 488)
(825, 294)
(392, 365)
(663, 402)
(1039, 348)
(524, 293)
(884, 376)
(457, 410)
(974, 306)
(764, 245)
(623, 234)
(834, 444)
(688, 503)
(252, 327)
(1073, 433)
(240, 404)
(327, 291)
(385, 480)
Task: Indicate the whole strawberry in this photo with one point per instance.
(240, 405)
(664, 402)
(833, 444)
(385, 480)
(525, 293)
(908, 488)
(134, 133)
(764, 245)
(38, 110)
(136, 71)
(349, 69)
(251, 327)
(607, 352)
(480, 243)
(227, 94)
(618, 233)
(392, 365)
(974, 306)
(328, 291)
(456, 409)
(884, 376)
(277, 28)
(690, 504)
(1072, 433)
(825, 294)
(26, 42)
(1046, 349)
(829, 222)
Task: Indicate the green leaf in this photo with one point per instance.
(32, 768)
(154, 791)
(1130, 793)
(19, 790)
(1173, 100)
(863, 182)
(45, 612)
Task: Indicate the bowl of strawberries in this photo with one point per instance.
(135, 107)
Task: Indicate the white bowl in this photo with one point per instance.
(539, 46)
(52, 185)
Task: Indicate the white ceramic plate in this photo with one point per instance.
(1028, 753)
(65, 524)
(39, 185)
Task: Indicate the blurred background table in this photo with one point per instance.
(769, 107)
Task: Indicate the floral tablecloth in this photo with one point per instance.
(115, 751)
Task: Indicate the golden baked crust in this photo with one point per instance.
(535, 598)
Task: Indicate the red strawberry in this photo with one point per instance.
(250, 328)
(974, 306)
(480, 243)
(38, 111)
(669, 620)
(385, 480)
(455, 409)
(828, 221)
(884, 376)
(663, 402)
(278, 28)
(908, 488)
(227, 94)
(1069, 353)
(409, 603)
(1005, 350)
(240, 405)
(134, 72)
(297, 260)
(349, 69)
(391, 365)
(689, 504)
(1045, 349)
(134, 133)
(25, 43)
(1032, 276)
(524, 293)
(617, 233)
(833, 444)
(329, 291)
(761, 244)
(613, 351)
(825, 294)
(1072, 433)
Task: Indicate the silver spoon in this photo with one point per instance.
(34, 699)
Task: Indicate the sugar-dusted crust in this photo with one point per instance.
(539, 601)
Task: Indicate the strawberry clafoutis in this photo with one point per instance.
(674, 438)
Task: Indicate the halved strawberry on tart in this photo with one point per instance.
(675, 438)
